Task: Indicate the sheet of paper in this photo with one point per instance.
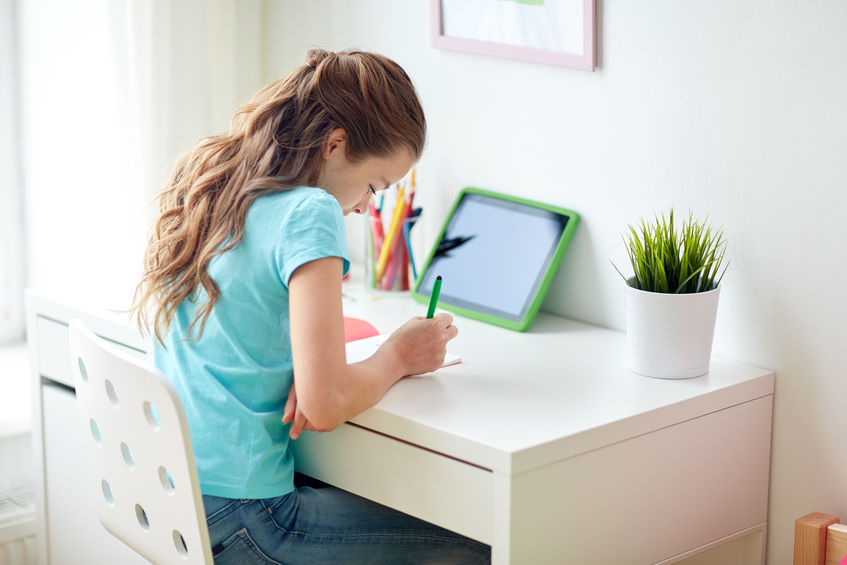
(361, 349)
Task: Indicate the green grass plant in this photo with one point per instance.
(668, 260)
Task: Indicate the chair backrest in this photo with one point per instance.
(140, 459)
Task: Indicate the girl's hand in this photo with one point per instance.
(329, 390)
(420, 344)
(292, 413)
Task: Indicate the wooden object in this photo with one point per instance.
(819, 539)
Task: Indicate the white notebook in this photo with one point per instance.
(361, 349)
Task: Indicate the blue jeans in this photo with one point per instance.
(328, 525)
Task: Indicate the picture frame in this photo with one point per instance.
(551, 32)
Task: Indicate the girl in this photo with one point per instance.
(242, 289)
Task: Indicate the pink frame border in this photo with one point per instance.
(585, 62)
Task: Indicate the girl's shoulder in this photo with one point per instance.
(294, 207)
(291, 199)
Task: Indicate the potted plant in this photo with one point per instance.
(672, 297)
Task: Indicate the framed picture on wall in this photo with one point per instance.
(553, 32)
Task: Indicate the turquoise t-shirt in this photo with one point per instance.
(234, 380)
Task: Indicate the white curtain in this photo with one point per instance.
(11, 210)
(113, 91)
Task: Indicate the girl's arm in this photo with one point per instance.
(328, 390)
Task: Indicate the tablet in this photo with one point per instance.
(497, 255)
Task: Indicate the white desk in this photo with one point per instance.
(542, 444)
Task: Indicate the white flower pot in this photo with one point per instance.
(670, 336)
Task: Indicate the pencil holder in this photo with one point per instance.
(389, 263)
(387, 270)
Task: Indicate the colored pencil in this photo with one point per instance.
(392, 233)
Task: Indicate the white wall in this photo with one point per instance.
(736, 110)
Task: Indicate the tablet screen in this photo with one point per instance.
(495, 254)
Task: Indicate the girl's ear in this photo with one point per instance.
(336, 140)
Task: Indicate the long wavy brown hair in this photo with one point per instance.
(273, 144)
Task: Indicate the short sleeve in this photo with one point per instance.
(312, 230)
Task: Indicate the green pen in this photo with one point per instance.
(433, 300)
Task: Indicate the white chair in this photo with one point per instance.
(141, 464)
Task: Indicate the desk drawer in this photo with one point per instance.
(54, 352)
(430, 486)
